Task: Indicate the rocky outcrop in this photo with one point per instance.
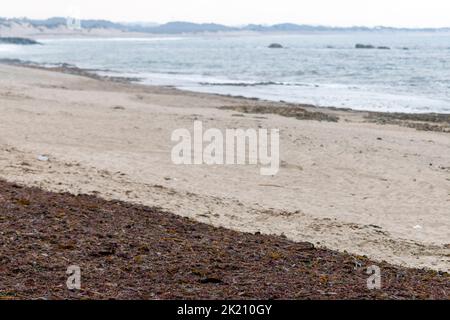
(276, 46)
(369, 46)
(364, 46)
(18, 41)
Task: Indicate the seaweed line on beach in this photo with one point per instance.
(128, 251)
(423, 122)
(69, 69)
(286, 111)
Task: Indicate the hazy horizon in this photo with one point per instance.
(345, 13)
(230, 25)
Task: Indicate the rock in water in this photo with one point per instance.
(276, 46)
(369, 46)
(19, 41)
(364, 46)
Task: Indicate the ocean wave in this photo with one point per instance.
(253, 84)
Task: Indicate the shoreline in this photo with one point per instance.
(348, 185)
(376, 116)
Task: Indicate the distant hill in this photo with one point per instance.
(58, 26)
(291, 27)
(189, 27)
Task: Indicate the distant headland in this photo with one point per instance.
(59, 25)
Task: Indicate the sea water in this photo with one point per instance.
(320, 69)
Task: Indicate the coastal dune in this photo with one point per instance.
(349, 185)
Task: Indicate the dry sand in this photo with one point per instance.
(376, 190)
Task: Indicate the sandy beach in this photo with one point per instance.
(368, 184)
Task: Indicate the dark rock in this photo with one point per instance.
(276, 46)
(19, 41)
(369, 46)
(364, 46)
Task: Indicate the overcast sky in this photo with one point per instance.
(399, 13)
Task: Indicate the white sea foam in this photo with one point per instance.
(9, 48)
